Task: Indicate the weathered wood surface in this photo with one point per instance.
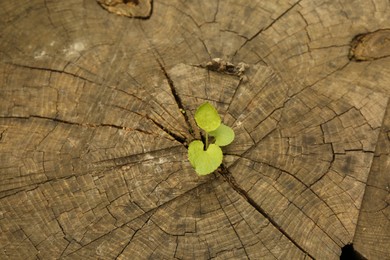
(93, 136)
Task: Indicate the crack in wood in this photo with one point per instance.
(137, 158)
(145, 213)
(308, 187)
(53, 71)
(58, 120)
(348, 252)
(234, 229)
(182, 12)
(178, 138)
(232, 182)
(131, 238)
(245, 220)
(267, 27)
(176, 96)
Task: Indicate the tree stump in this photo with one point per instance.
(96, 111)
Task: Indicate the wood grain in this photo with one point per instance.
(96, 113)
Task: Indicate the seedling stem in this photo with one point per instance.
(207, 140)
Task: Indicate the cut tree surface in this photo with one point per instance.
(97, 110)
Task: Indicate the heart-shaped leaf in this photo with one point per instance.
(207, 117)
(204, 162)
(224, 135)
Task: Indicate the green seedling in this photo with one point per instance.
(205, 157)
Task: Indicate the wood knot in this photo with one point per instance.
(370, 46)
(141, 9)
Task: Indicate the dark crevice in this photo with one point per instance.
(230, 179)
(182, 12)
(90, 125)
(133, 159)
(145, 213)
(135, 2)
(57, 120)
(233, 227)
(349, 253)
(311, 190)
(150, 13)
(276, 19)
(216, 13)
(53, 71)
(267, 27)
(178, 138)
(132, 236)
(176, 96)
(65, 236)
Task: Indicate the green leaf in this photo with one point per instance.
(207, 117)
(204, 162)
(224, 135)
